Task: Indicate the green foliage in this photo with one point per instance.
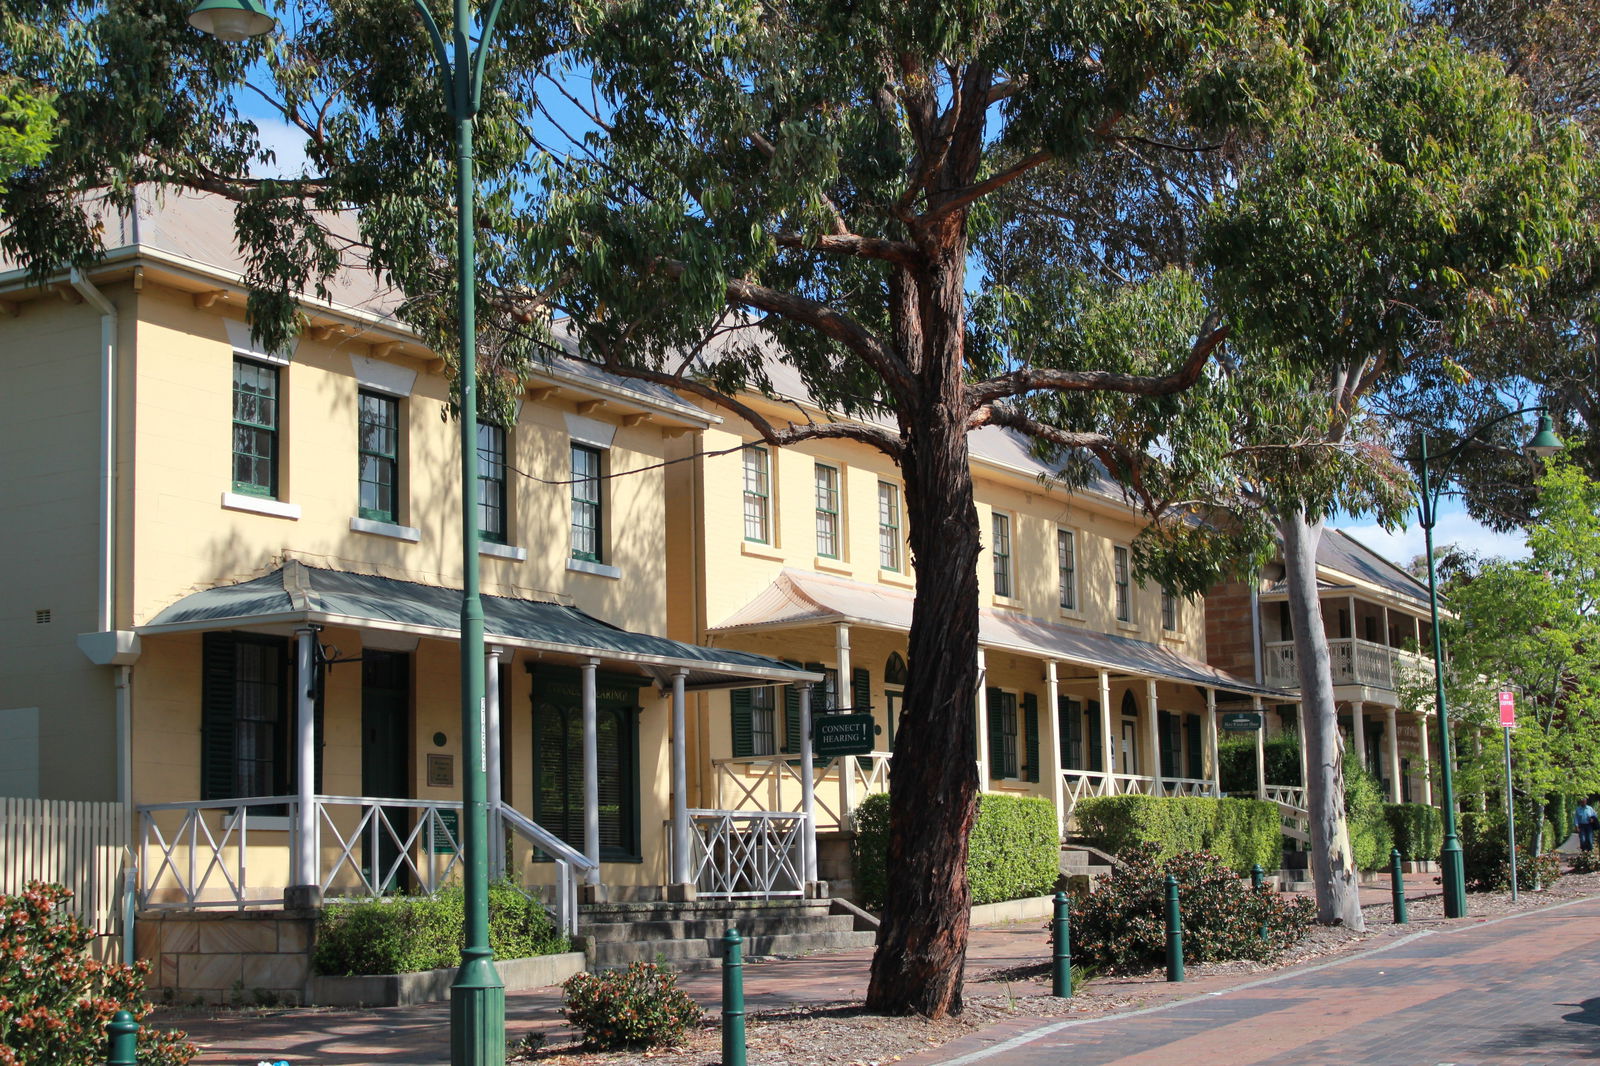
(1013, 851)
(1370, 834)
(55, 1000)
(1415, 829)
(1484, 852)
(1280, 756)
(1238, 832)
(1583, 862)
(1123, 922)
(27, 127)
(410, 934)
(641, 1006)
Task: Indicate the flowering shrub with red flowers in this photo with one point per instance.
(641, 1006)
(55, 1000)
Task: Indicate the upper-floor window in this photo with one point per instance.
(1124, 598)
(889, 539)
(1067, 568)
(492, 482)
(1169, 610)
(587, 513)
(1001, 525)
(757, 495)
(379, 441)
(255, 428)
(827, 478)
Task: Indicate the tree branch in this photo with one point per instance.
(853, 244)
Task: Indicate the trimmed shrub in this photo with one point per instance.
(1416, 830)
(1122, 923)
(1483, 852)
(641, 1006)
(1239, 832)
(55, 1000)
(410, 934)
(1370, 835)
(1236, 761)
(1013, 851)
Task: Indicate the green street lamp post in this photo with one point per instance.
(477, 996)
(1544, 443)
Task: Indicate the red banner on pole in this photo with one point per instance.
(1508, 710)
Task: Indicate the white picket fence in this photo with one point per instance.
(65, 842)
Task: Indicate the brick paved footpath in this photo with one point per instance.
(1523, 990)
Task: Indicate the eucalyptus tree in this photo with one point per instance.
(27, 126)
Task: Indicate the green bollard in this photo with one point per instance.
(122, 1040)
(732, 999)
(1061, 971)
(1174, 932)
(1257, 877)
(1397, 885)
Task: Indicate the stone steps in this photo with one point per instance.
(689, 936)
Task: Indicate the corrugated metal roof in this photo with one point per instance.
(1342, 553)
(299, 593)
(799, 597)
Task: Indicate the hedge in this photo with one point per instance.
(1236, 761)
(1416, 829)
(1371, 837)
(410, 934)
(1483, 848)
(1240, 832)
(1013, 851)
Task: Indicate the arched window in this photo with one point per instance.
(1130, 704)
(894, 671)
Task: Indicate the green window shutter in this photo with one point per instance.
(743, 736)
(1030, 735)
(216, 716)
(1168, 761)
(997, 738)
(861, 688)
(1191, 728)
(1071, 715)
(1096, 741)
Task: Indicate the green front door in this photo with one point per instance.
(558, 760)
(385, 729)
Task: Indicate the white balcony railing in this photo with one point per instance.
(747, 854)
(772, 783)
(1352, 662)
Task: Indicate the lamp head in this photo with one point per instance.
(231, 20)
(1545, 443)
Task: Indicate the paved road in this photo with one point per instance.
(1521, 990)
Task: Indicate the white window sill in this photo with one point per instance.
(384, 529)
(238, 501)
(829, 565)
(502, 551)
(895, 578)
(1010, 603)
(761, 551)
(1129, 627)
(584, 566)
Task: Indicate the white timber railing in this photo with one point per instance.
(1081, 784)
(1351, 662)
(773, 783)
(747, 854)
(77, 844)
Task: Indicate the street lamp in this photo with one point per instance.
(477, 996)
(1545, 443)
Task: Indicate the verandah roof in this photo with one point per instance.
(296, 593)
(801, 598)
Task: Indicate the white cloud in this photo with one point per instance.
(287, 142)
(1455, 527)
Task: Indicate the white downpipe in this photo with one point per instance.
(125, 798)
(808, 793)
(680, 780)
(108, 444)
(982, 720)
(591, 773)
(305, 859)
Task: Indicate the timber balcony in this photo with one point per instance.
(1353, 661)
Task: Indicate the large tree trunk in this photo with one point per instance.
(933, 784)
(1333, 868)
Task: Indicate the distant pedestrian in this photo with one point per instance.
(1583, 820)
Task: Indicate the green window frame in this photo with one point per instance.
(1169, 610)
(1124, 597)
(1067, 568)
(755, 721)
(757, 494)
(492, 499)
(1002, 734)
(1000, 524)
(378, 439)
(827, 484)
(889, 538)
(588, 509)
(255, 428)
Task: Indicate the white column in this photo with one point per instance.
(1261, 751)
(1154, 733)
(808, 795)
(1427, 761)
(493, 786)
(1211, 741)
(1052, 739)
(1358, 732)
(305, 704)
(847, 763)
(1300, 717)
(982, 720)
(1391, 733)
(1108, 747)
(680, 783)
(591, 772)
